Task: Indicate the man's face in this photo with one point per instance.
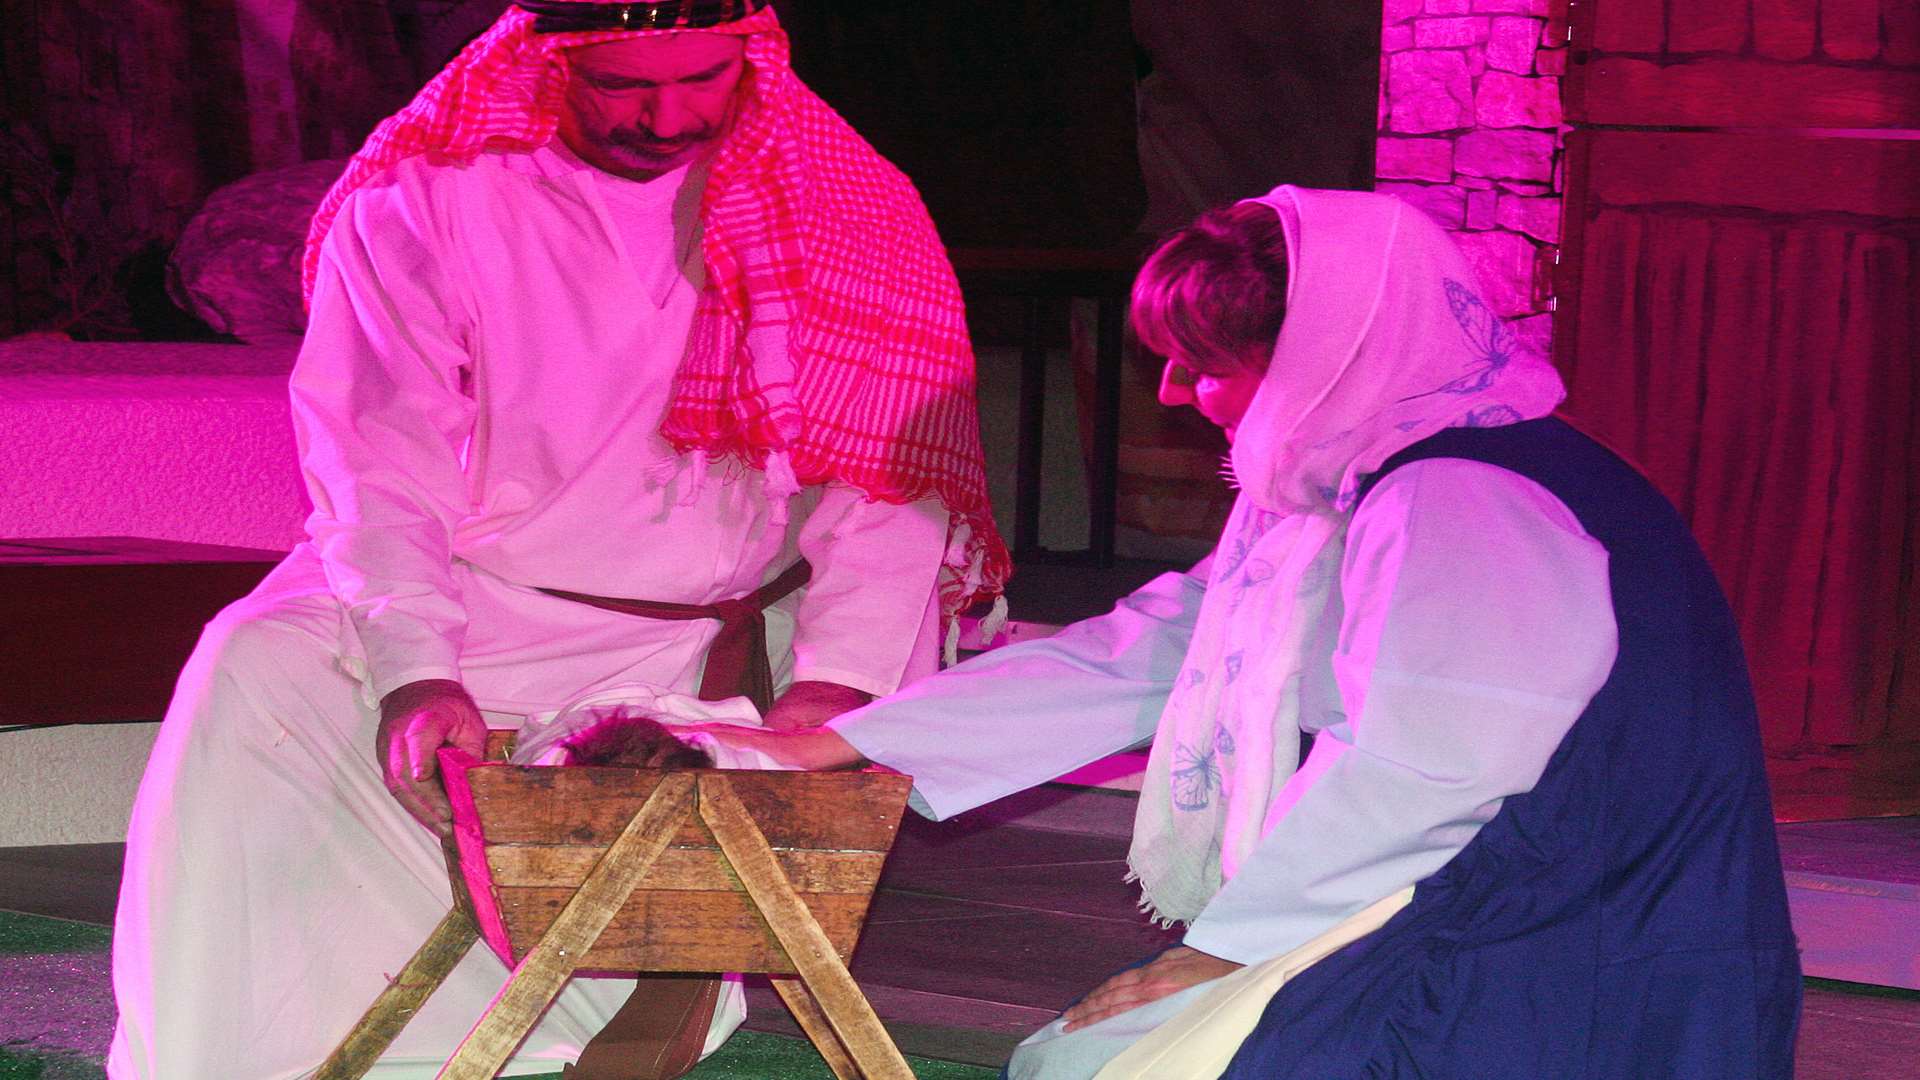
(644, 106)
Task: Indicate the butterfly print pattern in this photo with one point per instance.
(1489, 340)
(1493, 416)
(1196, 776)
(1222, 739)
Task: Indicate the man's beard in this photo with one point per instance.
(646, 152)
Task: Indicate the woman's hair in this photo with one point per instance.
(1214, 293)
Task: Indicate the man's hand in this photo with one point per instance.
(812, 751)
(1169, 973)
(807, 705)
(415, 722)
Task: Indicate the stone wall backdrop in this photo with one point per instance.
(1470, 131)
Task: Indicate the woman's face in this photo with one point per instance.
(1221, 396)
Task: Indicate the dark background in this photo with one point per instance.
(1016, 118)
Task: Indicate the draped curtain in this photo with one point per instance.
(1760, 368)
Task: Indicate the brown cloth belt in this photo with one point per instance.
(737, 660)
(659, 1033)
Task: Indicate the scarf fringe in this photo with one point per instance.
(994, 621)
(990, 626)
(697, 480)
(950, 649)
(1227, 474)
(781, 485)
(1146, 906)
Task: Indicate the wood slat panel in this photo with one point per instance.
(844, 811)
(1721, 92)
(1785, 29)
(537, 980)
(1705, 27)
(847, 1010)
(1760, 370)
(683, 931)
(683, 869)
(1634, 27)
(1871, 177)
(1900, 21)
(1850, 29)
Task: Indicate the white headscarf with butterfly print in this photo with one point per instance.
(1385, 342)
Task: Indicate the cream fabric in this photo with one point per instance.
(1199, 1042)
(272, 884)
(540, 738)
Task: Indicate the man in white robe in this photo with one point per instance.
(498, 400)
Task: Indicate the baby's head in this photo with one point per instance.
(625, 736)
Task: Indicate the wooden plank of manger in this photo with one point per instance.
(683, 931)
(405, 994)
(590, 805)
(681, 869)
(533, 840)
(547, 967)
(689, 914)
(407, 991)
(545, 829)
(846, 1010)
(726, 900)
(814, 1023)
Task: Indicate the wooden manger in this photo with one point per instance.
(619, 870)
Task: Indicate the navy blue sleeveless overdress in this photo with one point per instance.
(1627, 918)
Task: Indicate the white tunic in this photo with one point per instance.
(477, 403)
(494, 403)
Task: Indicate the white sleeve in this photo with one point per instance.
(1478, 625)
(875, 566)
(381, 424)
(1023, 714)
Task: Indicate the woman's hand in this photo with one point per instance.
(1171, 972)
(812, 750)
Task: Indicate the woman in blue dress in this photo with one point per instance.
(1524, 690)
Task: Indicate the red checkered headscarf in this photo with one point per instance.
(804, 225)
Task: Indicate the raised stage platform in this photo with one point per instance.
(982, 929)
(1854, 887)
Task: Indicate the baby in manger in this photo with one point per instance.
(634, 739)
(640, 726)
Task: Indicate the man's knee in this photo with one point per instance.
(248, 642)
(254, 664)
(291, 623)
